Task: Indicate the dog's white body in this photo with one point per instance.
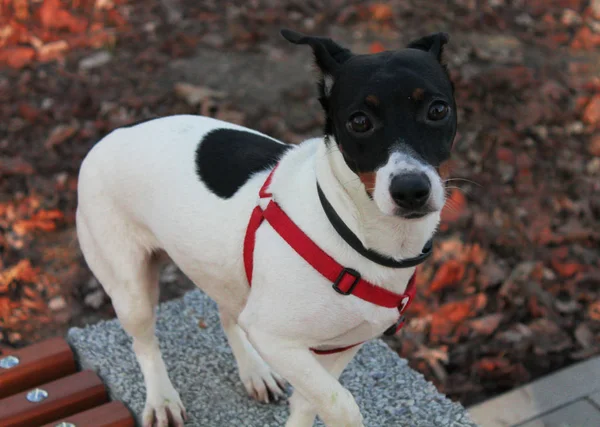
(139, 194)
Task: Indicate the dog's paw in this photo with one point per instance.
(261, 382)
(164, 411)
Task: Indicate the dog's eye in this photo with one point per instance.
(360, 123)
(437, 111)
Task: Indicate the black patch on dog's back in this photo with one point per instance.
(226, 158)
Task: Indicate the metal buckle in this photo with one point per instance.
(352, 273)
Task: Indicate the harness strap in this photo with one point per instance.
(345, 281)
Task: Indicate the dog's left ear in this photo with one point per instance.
(329, 55)
(433, 43)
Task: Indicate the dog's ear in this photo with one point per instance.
(329, 55)
(433, 43)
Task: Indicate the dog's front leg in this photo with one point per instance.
(302, 412)
(321, 389)
(260, 381)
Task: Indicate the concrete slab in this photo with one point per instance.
(578, 414)
(595, 398)
(202, 368)
(539, 397)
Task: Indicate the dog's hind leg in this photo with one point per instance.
(260, 381)
(129, 274)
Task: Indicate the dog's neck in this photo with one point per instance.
(392, 236)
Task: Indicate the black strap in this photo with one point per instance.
(356, 244)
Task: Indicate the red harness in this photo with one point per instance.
(346, 281)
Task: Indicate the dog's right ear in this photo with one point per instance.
(433, 43)
(329, 55)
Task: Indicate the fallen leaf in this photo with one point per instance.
(486, 325)
(22, 271)
(506, 155)
(450, 314)
(548, 337)
(476, 254)
(15, 166)
(376, 47)
(52, 51)
(447, 275)
(381, 11)
(42, 220)
(594, 311)
(535, 308)
(566, 269)
(195, 95)
(591, 113)
(585, 39)
(486, 365)
(28, 112)
(60, 134)
(584, 336)
(594, 145)
(17, 57)
(53, 16)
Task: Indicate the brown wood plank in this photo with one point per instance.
(5, 348)
(113, 414)
(66, 396)
(38, 364)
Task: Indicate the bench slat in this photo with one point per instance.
(38, 364)
(113, 414)
(66, 396)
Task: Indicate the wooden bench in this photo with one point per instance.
(41, 385)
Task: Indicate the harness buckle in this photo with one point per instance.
(348, 290)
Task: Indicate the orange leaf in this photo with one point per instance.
(492, 364)
(450, 314)
(381, 11)
(448, 274)
(44, 215)
(566, 269)
(594, 311)
(24, 226)
(53, 15)
(476, 254)
(17, 57)
(376, 47)
(21, 271)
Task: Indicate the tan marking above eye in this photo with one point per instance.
(368, 180)
(418, 94)
(372, 100)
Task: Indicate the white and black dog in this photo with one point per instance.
(308, 250)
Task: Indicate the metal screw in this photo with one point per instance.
(65, 424)
(37, 395)
(9, 362)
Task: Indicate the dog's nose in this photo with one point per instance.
(410, 191)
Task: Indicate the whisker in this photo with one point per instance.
(462, 179)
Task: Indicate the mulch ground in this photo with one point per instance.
(513, 290)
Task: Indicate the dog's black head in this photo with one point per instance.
(392, 115)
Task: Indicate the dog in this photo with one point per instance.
(308, 250)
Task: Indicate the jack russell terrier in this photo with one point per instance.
(309, 250)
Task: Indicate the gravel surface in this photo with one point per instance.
(203, 369)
